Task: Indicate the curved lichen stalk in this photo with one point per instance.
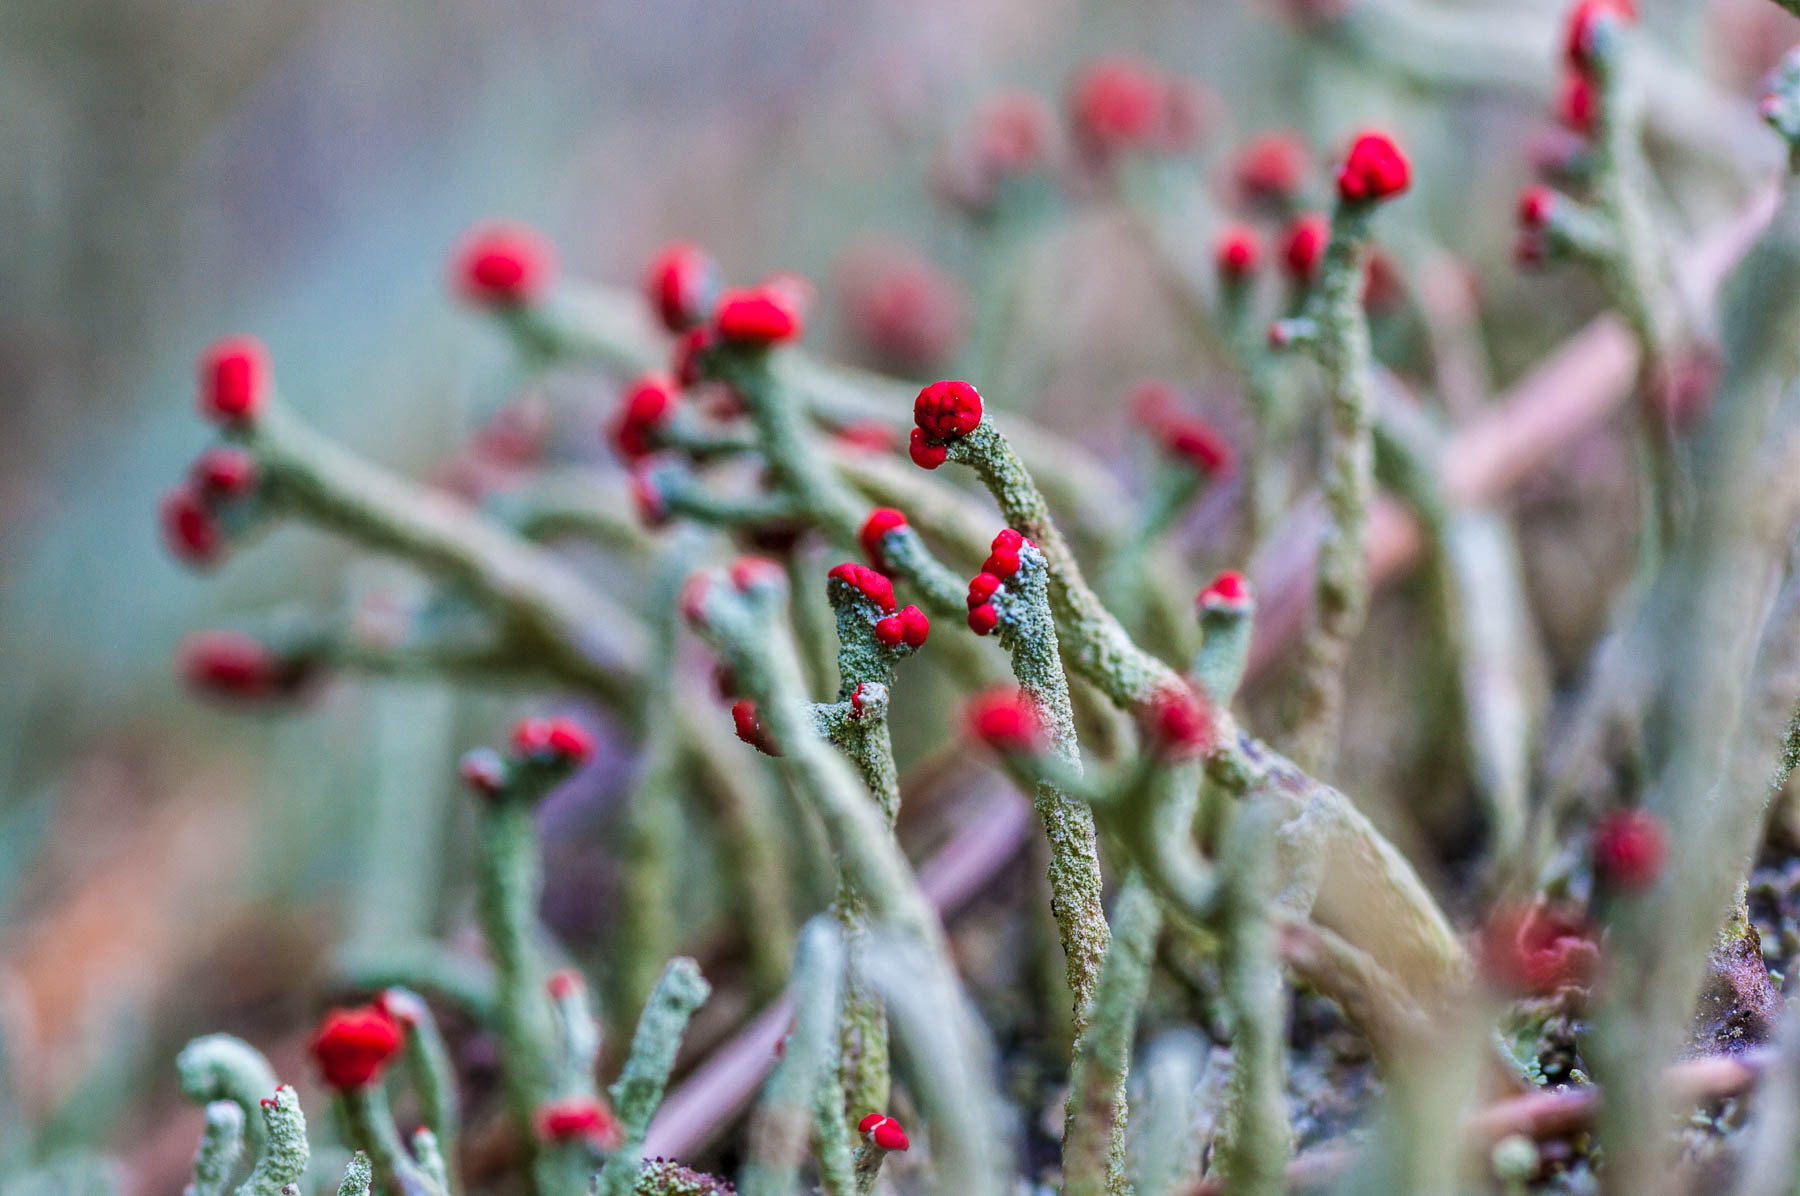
(743, 619)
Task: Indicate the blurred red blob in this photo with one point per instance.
(189, 529)
(759, 317)
(681, 283)
(579, 1119)
(1006, 720)
(1538, 950)
(1116, 103)
(904, 312)
(1303, 247)
(1238, 252)
(234, 379)
(1629, 848)
(237, 665)
(504, 265)
(1271, 169)
(1178, 723)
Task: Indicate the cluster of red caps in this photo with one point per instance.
(944, 411)
(1002, 563)
(907, 625)
(233, 387)
(1577, 106)
(681, 285)
(1375, 169)
(883, 1132)
(556, 743)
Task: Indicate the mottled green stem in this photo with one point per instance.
(433, 1074)
(1341, 588)
(803, 1096)
(1636, 272)
(369, 1126)
(1094, 1144)
(546, 613)
(507, 884)
(646, 933)
(1096, 645)
(639, 1089)
(1028, 631)
(221, 1142)
(285, 1149)
(359, 1176)
(1257, 1140)
(748, 629)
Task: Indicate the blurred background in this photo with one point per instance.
(173, 171)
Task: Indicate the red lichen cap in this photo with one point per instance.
(1629, 848)
(504, 265)
(883, 1132)
(353, 1046)
(1375, 169)
(579, 1119)
(233, 664)
(234, 379)
(1003, 555)
(758, 317)
(1238, 252)
(1178, 723)
(981, 588)
(1117, 103)
(648, 402)
(681, 283)
(1578, 103)
(925, 454)
(560, 741)
(1537, 203)
(1585, 17)
(909, 627)
(1229, 591)
(224, 472)
(867, 582)
(875, 528)
(1197, 443)
(1538, 950)
(188, 526)
(750, 573)
(947, 410)
(1303, 246)
(1271, 167)
(983, 617)
(750, 729)
(1006, 720)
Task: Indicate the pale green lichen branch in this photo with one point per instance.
(639, 1089)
